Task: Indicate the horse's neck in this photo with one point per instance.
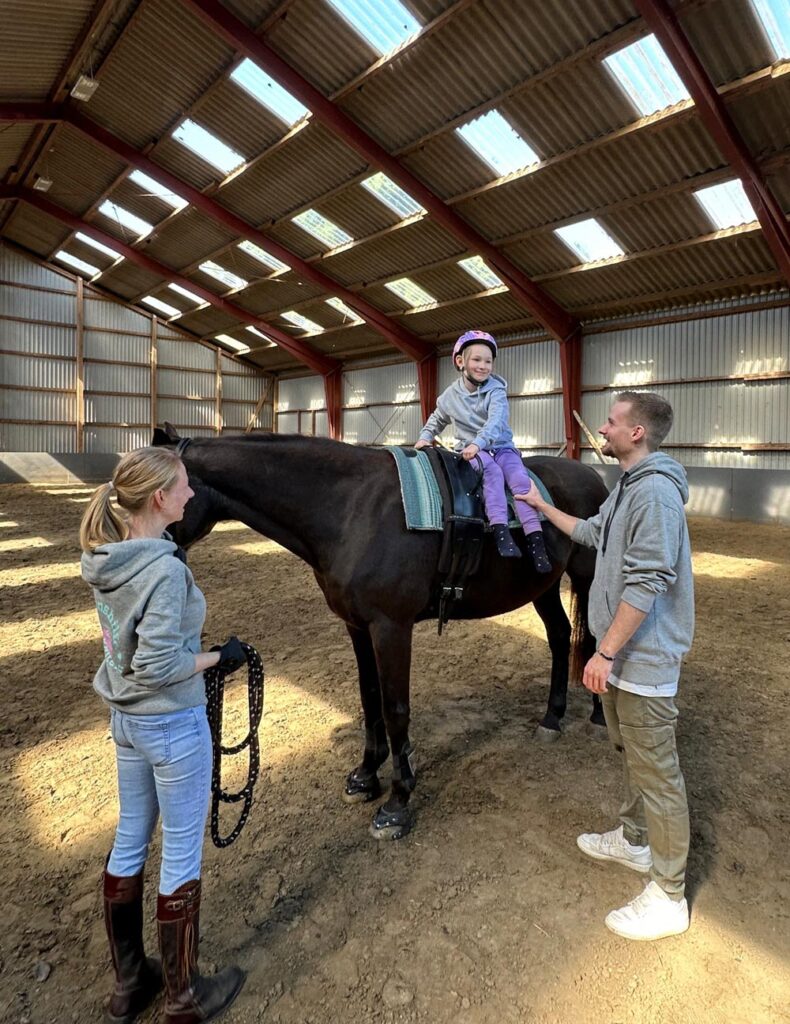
(292, 493)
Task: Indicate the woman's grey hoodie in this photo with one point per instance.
(644, 559)
(478, 417)
(151, 614)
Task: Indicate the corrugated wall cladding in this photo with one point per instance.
(127, 348)
(300, 393)
(20, 336)
(190, 356)
(120, 379)
(382, 425)
(229, 365)
(105, 313)
(119, 410)
(183, 413)
(115, 439)
(15, 267)
(16, 437)
(387, 384)
(537, 422)
(36, 305)
(238, 416)
(248, 389)
(37, 373)
(186, 385)
(42, 406)
(287, 422)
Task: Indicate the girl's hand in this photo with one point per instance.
(470, 451)
(422, 444)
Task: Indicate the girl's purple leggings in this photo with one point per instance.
(504, 466)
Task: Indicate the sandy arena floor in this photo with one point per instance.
(486, 913)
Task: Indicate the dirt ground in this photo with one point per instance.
(486, 913)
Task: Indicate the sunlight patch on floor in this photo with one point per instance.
(76, 627)
(23, 543)
(24, 575)
(260, 547)
(230, 526)
(730, 566)
(7, 523)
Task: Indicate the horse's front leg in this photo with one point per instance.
(558, 633)
(392, 645)
(362, 784)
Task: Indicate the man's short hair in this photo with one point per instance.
(652, 412)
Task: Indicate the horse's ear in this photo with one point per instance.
(167, 436)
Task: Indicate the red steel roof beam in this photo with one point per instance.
(540, 304)
(316, 361)
(663, 22)
(404, 340)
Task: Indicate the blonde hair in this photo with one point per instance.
(138, 475)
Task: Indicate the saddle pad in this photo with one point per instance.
(422, 502)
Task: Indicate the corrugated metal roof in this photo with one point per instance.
(79, 171)
(12, 141)
(35, 41)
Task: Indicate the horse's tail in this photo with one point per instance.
(582, 640)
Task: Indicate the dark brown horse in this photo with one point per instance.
(338, 507)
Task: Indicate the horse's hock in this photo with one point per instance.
(487, 912)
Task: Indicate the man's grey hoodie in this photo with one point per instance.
(151, 614)
(479, 417)
(644, 559)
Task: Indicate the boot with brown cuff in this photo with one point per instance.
(138, 978)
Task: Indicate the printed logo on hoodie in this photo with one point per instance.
(110, 631)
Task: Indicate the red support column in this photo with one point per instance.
(333, 391)
(571, 369)
(427, 378)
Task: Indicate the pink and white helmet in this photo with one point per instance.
(474, 338)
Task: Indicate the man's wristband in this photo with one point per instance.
(604, 656)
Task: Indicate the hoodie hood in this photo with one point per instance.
(110, 566)
(492, 384)
(658, 462)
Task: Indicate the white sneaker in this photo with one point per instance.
(614, 846)
(651, 915)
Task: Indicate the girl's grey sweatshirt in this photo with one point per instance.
(151, 614)
(478, 417)
(644, 559)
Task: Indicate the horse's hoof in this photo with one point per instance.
(544, 735)
(361, 789)
(597, 730)
(391, 824)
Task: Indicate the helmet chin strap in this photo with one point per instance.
(472, 381)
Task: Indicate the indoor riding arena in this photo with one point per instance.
(252, 232)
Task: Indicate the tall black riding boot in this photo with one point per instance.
(191, 999)
(537, 550)
(505, 544)
(138, 979)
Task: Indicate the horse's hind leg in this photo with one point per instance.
(362, 784)
(558, 632)
(392, 644)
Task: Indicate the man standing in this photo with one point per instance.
(642, 615)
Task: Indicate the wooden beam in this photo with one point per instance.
(79, 370)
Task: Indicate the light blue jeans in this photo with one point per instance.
(164, 765)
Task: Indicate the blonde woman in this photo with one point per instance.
(151, 615)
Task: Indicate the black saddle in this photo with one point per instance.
(461, 487)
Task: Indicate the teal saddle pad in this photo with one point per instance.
(422, 501)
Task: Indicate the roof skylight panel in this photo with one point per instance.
(410, 292)
(153, 187)
(302, 321)
(775, 18)
(187, 294)
(479, 269)
(392, 195)
(160, 306)
(345, 310)
(269, 93)
(589, 241)
(221, 274)
(100, 246)
(76, 263)
(135, 224)
(726, 204)
(646, 75)
(231, 343)
(322, 228)
(262, 257)
(208, 147)
(496, 141)
(385, 24)
(259, 334)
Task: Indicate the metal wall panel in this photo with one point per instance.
(287, 422)
(37, 373)
(104, 313)
(14, 267)
(300, 393)
(395, 383)
(190, 385)
(184, 413)
(15, 437)
(115, 409)
(188, 354)
(238, 416)
(233, 366)
(26, 337)
(115, 439)
(106, 377)
(537, 422)
(41, 406)
(321, 424)
(29, 304)
(382, 425)
(129, 348)
(248, 389)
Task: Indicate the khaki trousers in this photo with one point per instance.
(655, 810)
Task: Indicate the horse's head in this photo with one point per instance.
(202, 511)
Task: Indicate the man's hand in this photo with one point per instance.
(470, 451)
(422, 444)
(596, 673)
(532, 497)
